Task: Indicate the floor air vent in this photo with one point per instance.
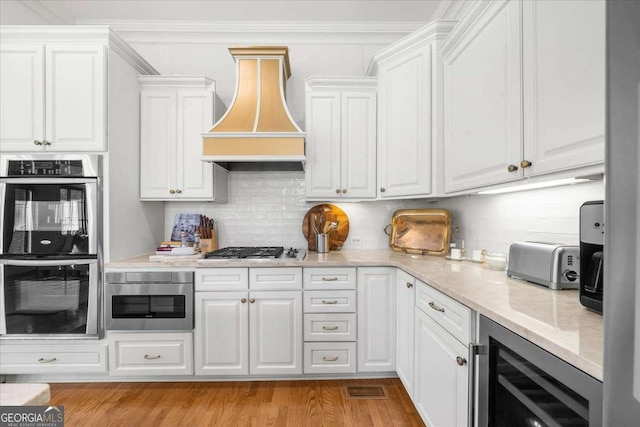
(366, 392)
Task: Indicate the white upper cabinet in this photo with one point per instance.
(175, 110)
(410, 114)
(564, 84)
(53, 97)
(524, 92)
(483, 101)
(341, 138)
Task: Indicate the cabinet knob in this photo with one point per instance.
(512, 168)
(172, 191)
(252, 300)
(45, 142)
(179, 191)
(344, 190)
(461, 360)
(525, 164)
(36, 142)
(337, 191)
(243, 300)
(409, 285)
(382, 189)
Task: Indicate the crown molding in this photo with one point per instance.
(77, 34)
(263, 32)
(452, 9)
(436, 30)
(40, 9)
(175, 82)
(330, 82)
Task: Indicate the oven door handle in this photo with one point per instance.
(47, 263)
(54, 181)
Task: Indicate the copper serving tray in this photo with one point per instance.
(422, 231)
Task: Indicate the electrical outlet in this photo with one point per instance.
(356, 240)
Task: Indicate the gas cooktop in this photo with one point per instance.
(253, 253)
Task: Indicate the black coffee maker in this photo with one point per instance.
(592, 254)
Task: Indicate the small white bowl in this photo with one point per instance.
(496, 261)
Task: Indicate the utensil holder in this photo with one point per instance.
(322, 243)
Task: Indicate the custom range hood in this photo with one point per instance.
(257, 131)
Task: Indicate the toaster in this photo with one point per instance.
(549, 264)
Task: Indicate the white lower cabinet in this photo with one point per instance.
(275, 332)
(248, 332)
(38, 357)
(150, 354)
(441, 369)
(329, 357)
(376, 319)
(405, 307)
(222, 333)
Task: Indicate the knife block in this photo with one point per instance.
(209, 245)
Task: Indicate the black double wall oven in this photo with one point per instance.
(50, 247)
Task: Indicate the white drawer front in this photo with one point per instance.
(330, 327)
(329, 357)
(450, 314)
(329, 301)
(275, 279)
(329, 278)
(40, 359)
(222, 279)
(150, 354)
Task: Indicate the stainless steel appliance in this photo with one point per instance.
(520, 384)
(553, 265)
(50, 248)
(622, 213)
(160, 300)
(592, 254)
(253, 253)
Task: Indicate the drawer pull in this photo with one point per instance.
(43, 360)
(329, 359)
(324, 301)
(329, 328)
(149, 357)
(329, 279)
(435, 307)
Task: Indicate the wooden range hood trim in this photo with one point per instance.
(276, 146)
(259, 103)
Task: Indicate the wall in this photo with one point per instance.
(20, 13)
(493, 222)
(267, 208)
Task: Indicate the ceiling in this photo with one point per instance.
(79, 11)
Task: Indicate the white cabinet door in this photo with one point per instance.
(194, 178)
(441, 389)
(405, 306)
(275, 332)
(376, 319)
(564, 84)
(21, 97)
(158, 148)
(75, 98)
(483, 101)
(221, 333)
(405, 142)
(322, 125)
(175, 110)
(358, 148)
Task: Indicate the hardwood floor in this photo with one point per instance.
(255, 403)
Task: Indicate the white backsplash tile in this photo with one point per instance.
(267, 208)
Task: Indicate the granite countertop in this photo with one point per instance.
(24, 394)
(554, 320)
